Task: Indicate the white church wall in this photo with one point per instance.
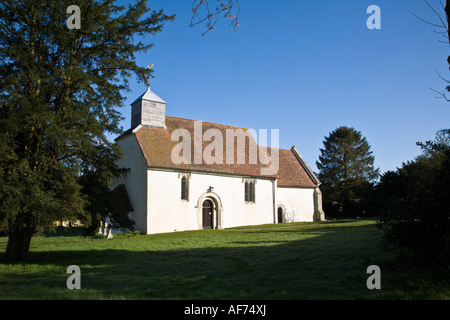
(135, 182)
(297, 203)
(167, 212)
(231, 190)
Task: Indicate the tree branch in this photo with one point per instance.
(444, 24)
(202, 13)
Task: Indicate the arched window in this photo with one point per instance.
(184, 188)
(249, 191)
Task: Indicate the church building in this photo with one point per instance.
(190, 175)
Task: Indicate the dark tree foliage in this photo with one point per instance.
(59, 94)
(346, 171)
(414, 200)
(414, 205)
(104, 203)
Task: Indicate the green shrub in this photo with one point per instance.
(414, 205)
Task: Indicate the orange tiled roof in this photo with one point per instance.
(157, 146)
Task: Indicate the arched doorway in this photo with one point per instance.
(280, 215)
(207, 214)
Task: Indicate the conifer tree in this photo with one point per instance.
(346, 171)
(60, 90)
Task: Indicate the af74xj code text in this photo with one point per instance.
(238, 309)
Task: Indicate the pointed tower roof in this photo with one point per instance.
(149, 95)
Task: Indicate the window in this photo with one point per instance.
(249, 191)
(184, 188)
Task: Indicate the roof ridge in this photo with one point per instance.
(307, 168)
(288, 150)
(209, 122)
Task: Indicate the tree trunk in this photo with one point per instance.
(19, 244)
(447, 14)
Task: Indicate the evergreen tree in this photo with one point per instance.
(104, 203)
(346, 170)
(59, 93)
(414, 204)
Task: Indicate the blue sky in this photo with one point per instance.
(306, 68)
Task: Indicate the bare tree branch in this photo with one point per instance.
(442, 77)
(428, 22)
(202, 13)
(447, 13)
(441, 95)
(443, 24)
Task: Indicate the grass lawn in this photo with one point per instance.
(326, 260)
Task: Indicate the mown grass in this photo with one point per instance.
(300, 261)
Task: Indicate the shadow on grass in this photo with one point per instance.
(326, 263)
